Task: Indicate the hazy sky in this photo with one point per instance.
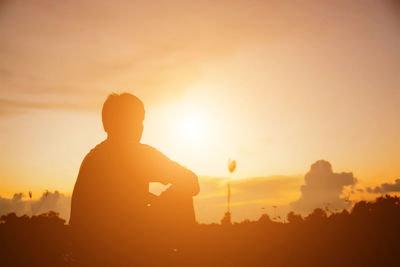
(276, 85)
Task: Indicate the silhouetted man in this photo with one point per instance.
(112, 210)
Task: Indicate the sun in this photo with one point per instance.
(193, 127)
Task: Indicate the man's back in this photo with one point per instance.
(111, 194)
(114, 179)
(111, 185)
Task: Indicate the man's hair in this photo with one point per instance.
(121, 110)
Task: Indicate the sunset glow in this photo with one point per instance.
(200, 133)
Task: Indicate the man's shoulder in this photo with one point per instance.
(98, 149)
(148, 149)
(152, 154)
(134, 149)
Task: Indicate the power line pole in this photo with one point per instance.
(227, 218)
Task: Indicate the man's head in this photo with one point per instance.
(123, 116)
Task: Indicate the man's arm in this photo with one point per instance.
(166, 171)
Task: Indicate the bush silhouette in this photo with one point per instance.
(368, 235)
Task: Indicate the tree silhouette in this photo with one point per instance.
(367, 235)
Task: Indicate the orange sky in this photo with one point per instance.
(276, 85)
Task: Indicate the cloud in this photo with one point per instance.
(48, 201)
(156, 51)
(323, 187)
(11, 106)
(385, 188)
(65, 49)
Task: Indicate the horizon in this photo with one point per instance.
(251, 197)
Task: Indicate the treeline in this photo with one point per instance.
(368, 235)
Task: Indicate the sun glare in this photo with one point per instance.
(192, 128)
(191, 134)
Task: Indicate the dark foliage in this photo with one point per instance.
(41, 240)
(368, 235)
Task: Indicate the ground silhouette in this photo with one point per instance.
(367, 235)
